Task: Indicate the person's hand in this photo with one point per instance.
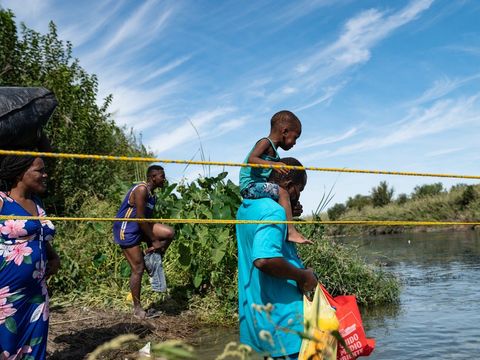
(308, 280)
(280, 170)
(297, 209)
(53, 265)
(149, 250)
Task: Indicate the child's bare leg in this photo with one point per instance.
(293, 234)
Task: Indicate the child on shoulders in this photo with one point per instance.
(285, 129)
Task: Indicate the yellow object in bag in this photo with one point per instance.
(319, 320)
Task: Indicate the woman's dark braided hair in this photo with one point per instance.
(11, 167)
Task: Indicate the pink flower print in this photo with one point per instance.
(4, 293)
(18, 252)
(14, 228)
(5, 196)
(6, 310)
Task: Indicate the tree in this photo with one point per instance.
(402, 199)
(358, 202)
(427, 190)
(468, 196)
(78, 125)
(336, 211)
(381, 194)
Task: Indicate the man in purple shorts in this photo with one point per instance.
(139, 203)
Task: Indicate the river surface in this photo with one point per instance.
(439, 312)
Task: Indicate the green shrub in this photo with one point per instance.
(381, 195)
(336, 211)
(422, 191)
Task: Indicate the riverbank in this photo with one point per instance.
(461, 203)
(76, 331)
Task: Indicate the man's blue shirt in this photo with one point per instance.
(256, 287)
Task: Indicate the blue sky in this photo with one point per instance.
(391, 85)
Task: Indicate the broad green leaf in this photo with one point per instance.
(221, 176)
(37, 299)
(185, 256)
(197, 280)
(27, 259)
(11, 325)
(36, 341)
(218, 255)
(15, 297)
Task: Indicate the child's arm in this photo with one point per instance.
(260, 148)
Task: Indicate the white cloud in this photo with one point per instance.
(359, 36)
(444, 151)
(329, 62)
(443, 115)
(88, 26)
(166, 68)
(443, 87)
(326, 97)
(308, 143)
(138, 31)
(189, 130)
(32, 12)
(130, 100)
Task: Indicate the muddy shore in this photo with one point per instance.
(76, 331)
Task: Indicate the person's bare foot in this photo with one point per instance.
(139, 313)
(295, 237)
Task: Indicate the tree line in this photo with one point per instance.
(383, 194)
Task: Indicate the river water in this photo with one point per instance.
(439, 312)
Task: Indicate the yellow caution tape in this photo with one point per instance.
(236, 222)
(218, 163)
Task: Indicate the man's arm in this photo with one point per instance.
(281, 268)
(140, 199)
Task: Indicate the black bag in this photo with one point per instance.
(24, 111)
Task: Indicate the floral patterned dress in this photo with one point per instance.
(23, 290)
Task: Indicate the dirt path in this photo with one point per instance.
(75, 332)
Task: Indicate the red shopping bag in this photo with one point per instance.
(351, 327)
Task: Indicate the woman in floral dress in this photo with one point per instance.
(26, 260)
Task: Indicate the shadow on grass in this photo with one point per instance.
(79, 344)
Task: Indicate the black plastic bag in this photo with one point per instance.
(24, 111)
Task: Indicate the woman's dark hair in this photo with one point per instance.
(11, 167)
(297, 176)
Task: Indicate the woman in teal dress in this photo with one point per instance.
(27, 259)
